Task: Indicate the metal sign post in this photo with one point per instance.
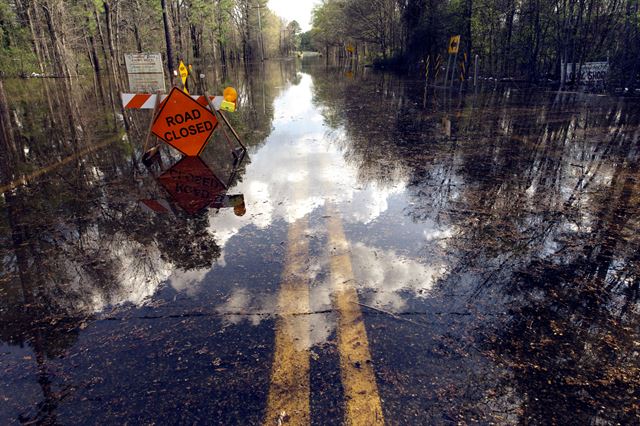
(454, 47)
(455, 65)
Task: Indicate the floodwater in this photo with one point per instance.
(384, 254)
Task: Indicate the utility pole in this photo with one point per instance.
(261, 38)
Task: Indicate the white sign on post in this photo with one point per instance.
(143, 63)
(591, 72)
(145, 72)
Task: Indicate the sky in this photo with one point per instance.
(300, 10)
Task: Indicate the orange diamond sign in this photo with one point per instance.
(184, 124)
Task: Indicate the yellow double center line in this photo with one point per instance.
(289, 394)
(362, 401)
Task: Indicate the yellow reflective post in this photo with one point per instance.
(438, 64)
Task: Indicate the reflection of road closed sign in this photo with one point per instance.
(191, 184)
(183, 123)
(454, 44)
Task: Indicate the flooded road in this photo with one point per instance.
(385, 254)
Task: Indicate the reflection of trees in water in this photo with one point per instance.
(79, 221)
(78, 249)
(540, 191)
(363, 107)
(258, 86)
(74, 239)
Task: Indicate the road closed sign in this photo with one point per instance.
(184, 124)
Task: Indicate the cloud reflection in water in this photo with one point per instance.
(302, 148)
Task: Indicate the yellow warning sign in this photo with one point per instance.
(454, 44)
(184, 73)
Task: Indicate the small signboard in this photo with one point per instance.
(145, 72)
(184, 124)
(192, 185)
(143, 63)
(590, 73)
(454, 44)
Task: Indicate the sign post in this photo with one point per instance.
(454, 47)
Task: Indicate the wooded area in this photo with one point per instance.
(523, 39)
(513, 39)
(69, 37)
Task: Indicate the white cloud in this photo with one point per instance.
(391, 279)
(299, 10)
(297, 170)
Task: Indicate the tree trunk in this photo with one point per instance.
(168, 38)
(469, 39)
(34, 35)
(8, 152)
(59, 58)
(136, 29)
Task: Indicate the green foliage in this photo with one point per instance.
(306, 39)
(16, 56)
(522, 39)
(70, 35)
